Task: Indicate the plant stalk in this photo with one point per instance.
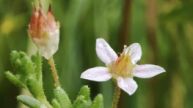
(117, 94)
(54, 72)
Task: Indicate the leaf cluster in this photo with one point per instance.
(28, 75)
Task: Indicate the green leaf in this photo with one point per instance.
(14, 79)
(81, 102)
(23, 65)
(85, 91)
(98, 102)
(36, 89)
(30, 101)
(37, 59)
(83, 99)
(62, 97)
(55, 104)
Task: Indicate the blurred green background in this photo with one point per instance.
(164, 28)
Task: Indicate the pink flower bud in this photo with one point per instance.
(44, 32)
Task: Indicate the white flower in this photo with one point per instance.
(44, 32)
(122, 68)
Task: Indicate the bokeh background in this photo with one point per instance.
(164, 28)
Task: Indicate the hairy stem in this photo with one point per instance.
(54, 72)
(116, 97)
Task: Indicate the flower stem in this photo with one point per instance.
(116, 97)
(54, 72)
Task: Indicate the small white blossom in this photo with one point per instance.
(122, 68)
(44, 31)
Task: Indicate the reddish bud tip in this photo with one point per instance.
(44, 31)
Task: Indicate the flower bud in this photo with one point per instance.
(44, 32)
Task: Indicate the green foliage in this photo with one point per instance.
(62, 97)
(85, 92)
(83, 99)
(14, 79)
(98, 102)
(23, 66)
(55, 104)
(82, 21)
(29, 101)
(29, 76)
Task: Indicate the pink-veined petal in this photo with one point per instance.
(147, 70)
(105, 52)
(127, 84)
(98, 74)
(135, 52)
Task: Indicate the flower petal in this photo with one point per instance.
(96, 74)
(105, 52)
(127, 84)
(147, 70)
(134, 51)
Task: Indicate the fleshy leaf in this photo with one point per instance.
(14, 79)
(23, 65)
(29, 101)
(55, 104)
(62, 97)
(98, 102)
(36, 89)
(85, 91)
(81, 102)
(37, 59)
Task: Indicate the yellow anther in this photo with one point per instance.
(122, 67)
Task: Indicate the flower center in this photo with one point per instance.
(122, 66)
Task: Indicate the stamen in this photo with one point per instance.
(122, 67)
